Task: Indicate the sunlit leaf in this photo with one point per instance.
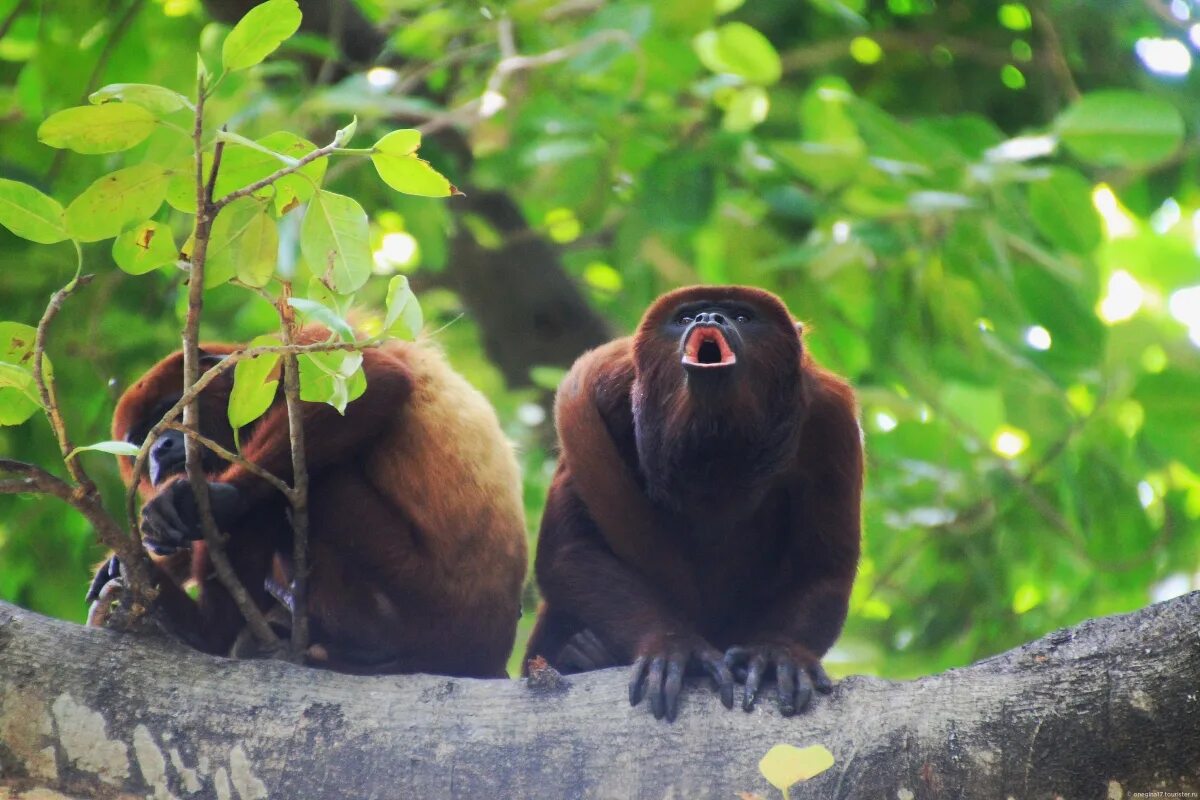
(145, 248)
(404, 318)
(335, 378)
(395, 160)
(334, 241)
(242, 166)
(313, 311)
(157, 100)
(18, 392)
(244, 242)
(259, 33)
(736, 48)
(255, 381)
(30, 214)
(116, 202)
(1118, 127)
(107, 128)
(785, 765)
(112, 447)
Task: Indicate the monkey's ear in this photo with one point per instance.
(211, 359)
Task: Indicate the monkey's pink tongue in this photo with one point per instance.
(707, 347)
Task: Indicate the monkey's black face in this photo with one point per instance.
(166, 456)
(712, 335)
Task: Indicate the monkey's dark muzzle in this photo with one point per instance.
(707, 347)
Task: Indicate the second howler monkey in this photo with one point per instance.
(706, 507)
(416, 521)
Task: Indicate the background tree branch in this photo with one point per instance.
(1103, 709)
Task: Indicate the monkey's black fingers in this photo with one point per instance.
(821, 681)
(785, 677)
(591, 646)
(804, 689)
(674, 685)
(636, 685)
(722, 676)
(571, 657)
(655, 678)
(736, 656)
(754, 676)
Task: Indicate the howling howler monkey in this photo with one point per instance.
(416, 521)
(705, 510)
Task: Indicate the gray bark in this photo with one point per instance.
(1106, 709)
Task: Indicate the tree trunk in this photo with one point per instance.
(1106, 709)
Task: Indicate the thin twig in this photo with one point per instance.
(283, 172)
(299, 494)
(232, 457)
(46, 389)
(1056, 57)
(206, 211)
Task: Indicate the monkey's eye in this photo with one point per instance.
(685, 319)
(743, 318)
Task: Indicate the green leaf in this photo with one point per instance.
(97, 129)
(117, 201)
(113, 447)
(242, 166)
(404, 318)
(158, 100)
(1118, 127)
(18, 393)
(335, 378)
(255, 381)
(264, 28)
(334, 241)
(313, 311)
(1062, 211)
(785, 765)
(395, 161)
(344, 135)
(737, 49)
(748, 107)
(403, 142)
(30, 214)
(145, 248)
(244, 242)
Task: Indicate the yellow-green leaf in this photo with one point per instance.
(107, 128)
(145, 248)
(785, 764)
(411, 175)
(112, 447)
(244, 243)
(242, 166)
(400, 143)
(334, 241)
(255, 381)
(18, 393)
(335, 378)
(30, 214)
(735, 48)
(117, 201)
(157, 100)
(404, 318)
(264, 28)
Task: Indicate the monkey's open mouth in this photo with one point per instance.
(706, 347)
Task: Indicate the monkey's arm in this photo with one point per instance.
(580, 575)
(801, 622)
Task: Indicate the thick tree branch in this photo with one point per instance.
(1105, 709)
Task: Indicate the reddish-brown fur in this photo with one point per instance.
(417, 539)
(678, 518)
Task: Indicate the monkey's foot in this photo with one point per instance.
(658, 672)
(797, 672)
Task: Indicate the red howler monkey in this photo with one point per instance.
(705, 510)
(416, 519)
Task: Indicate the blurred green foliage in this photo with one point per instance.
(985, 213)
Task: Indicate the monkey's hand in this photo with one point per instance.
(171, 521)
(797, 672)
(108, 572)
(659, 667)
